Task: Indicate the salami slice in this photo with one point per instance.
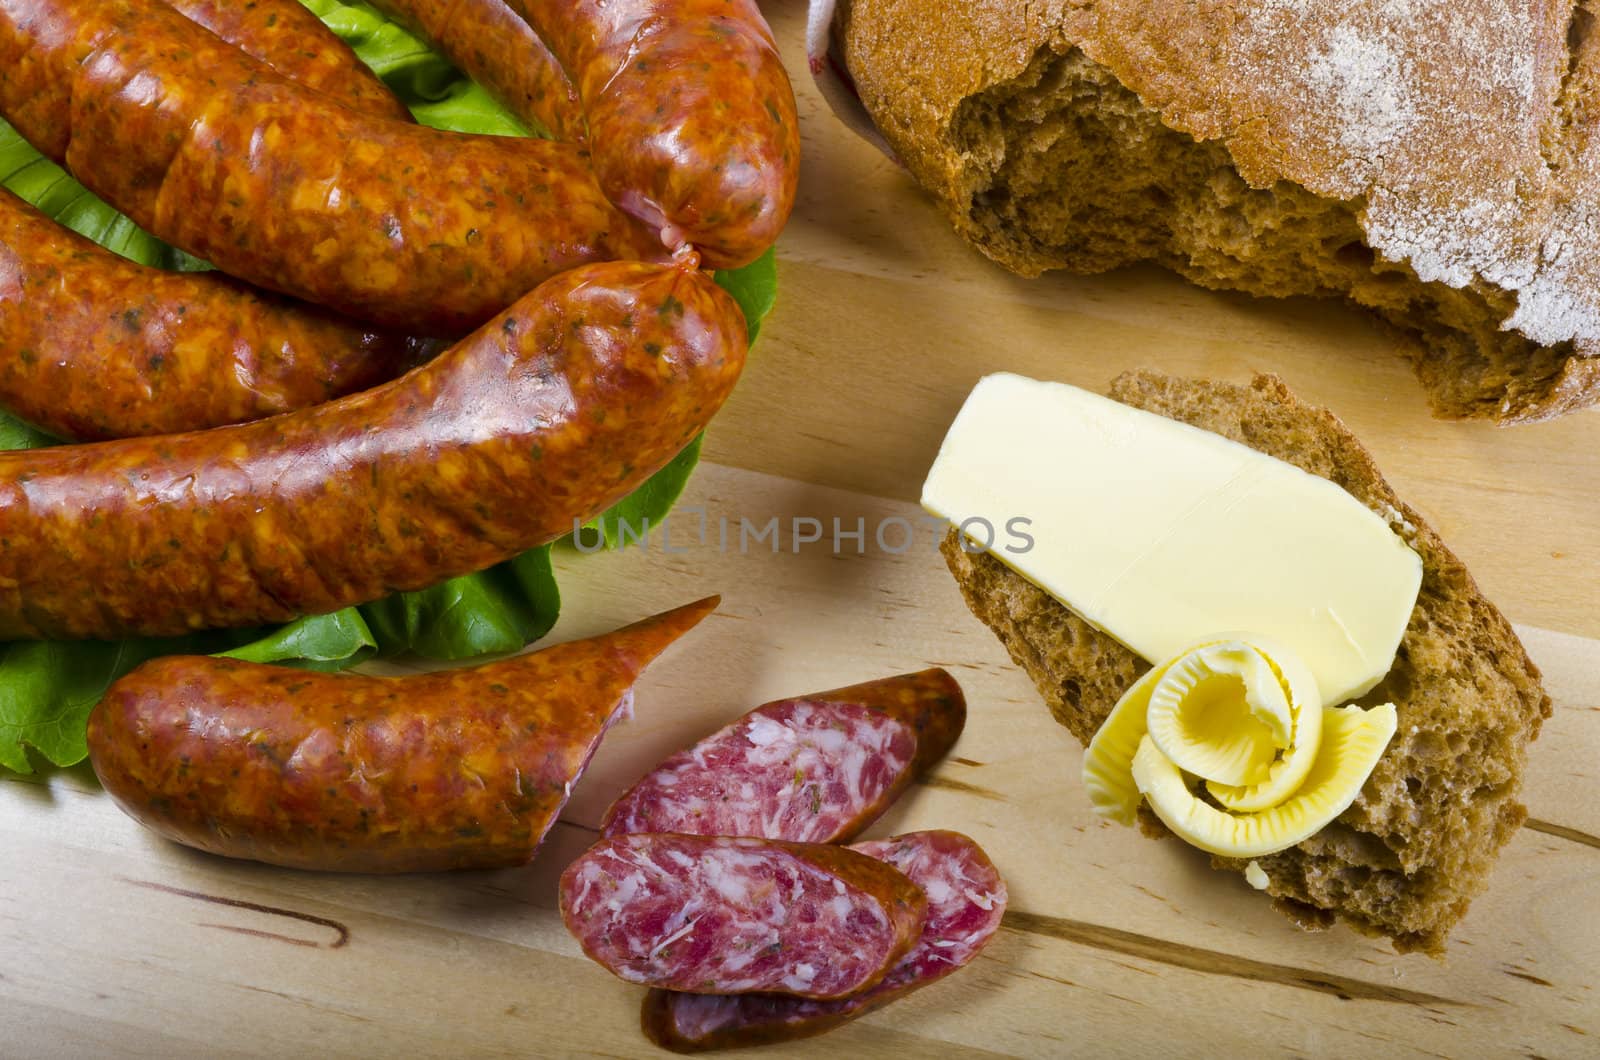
(732, 916)
(966, 898)
(816, 769)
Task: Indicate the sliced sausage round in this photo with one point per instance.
(740, 915)
(966, 900)
(814, 769)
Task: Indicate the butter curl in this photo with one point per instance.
(1240, 719)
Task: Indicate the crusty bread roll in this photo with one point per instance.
(1436, 161)
(1417, 845)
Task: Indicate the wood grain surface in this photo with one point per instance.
(115, 942)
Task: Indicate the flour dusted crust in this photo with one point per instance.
(1459, 138)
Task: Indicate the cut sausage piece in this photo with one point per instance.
(286, 36)
(816, 769)
(458, 769)
(966, 899)
(691, 115)
(551, 413)
(94, 346)
(421, 231)
(740, 915)
(496, 47)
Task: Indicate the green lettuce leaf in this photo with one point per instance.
(631, 520)
(316, 642)
(47, 689)
(424, 80)
(14, 434)
(755, 288)
(496, 611)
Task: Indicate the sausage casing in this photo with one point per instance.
(94, 346)
(550, 413)
(457, 769)
(406, 227)
(966, 900)
(738, 916)
(286, 36)
(496, 47)
(691, 116)
(813, 769)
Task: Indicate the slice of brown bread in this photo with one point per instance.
(1435, 161)
(1408, 856)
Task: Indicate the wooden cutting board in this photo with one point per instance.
(113, 941)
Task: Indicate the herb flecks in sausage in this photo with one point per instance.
(281, 186)
(691, 115)
(430, 476)
(183, 352)
(286, 36)
(456, 769)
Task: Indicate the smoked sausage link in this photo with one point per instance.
(691, 115)
(93, 346)
(409, 228)
(815, 769)
(286, 36)
(966, 900)
(496, 47)
(458, 769)
(550, 413)
(733, 916)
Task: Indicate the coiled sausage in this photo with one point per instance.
(286, 36)
(406, 227)
(691, 115)
(550, 413)
(93, 346)
(496, 47)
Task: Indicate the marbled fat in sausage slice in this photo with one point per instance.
(739, 915)
(457, 769)
(797, 770)
(816, 769)
(966, 899)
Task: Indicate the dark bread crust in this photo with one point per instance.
(1413, 850)
(1084, 136)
